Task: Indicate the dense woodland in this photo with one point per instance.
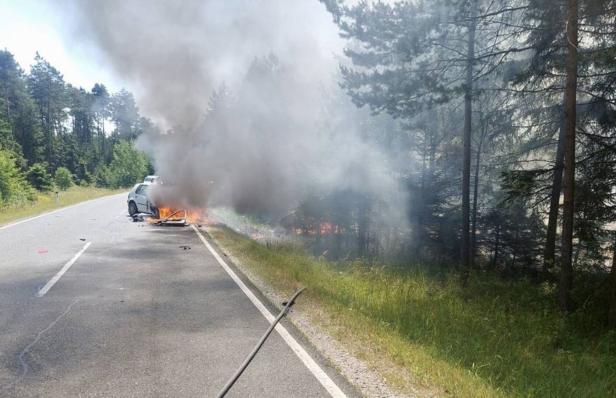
(53, 135)
(508, 111)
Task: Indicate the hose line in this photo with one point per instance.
(250, 356)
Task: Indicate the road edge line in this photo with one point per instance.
(54, 211)
(327, 383)
(62, 271)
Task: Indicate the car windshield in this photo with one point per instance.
(142, 189)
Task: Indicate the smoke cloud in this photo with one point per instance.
(245, 93)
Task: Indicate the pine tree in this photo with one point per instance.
(125, 115)
(574, 58)
(47, 88)
(407, 58)
(18, 109)
(101, 113)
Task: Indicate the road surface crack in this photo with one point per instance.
(24, 365)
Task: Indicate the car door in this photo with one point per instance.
(141, 198)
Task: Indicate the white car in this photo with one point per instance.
(152, 179)
(139, 200)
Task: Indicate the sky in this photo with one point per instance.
(28, 26)
(291, 133)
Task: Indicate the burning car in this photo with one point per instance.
(152, 179)
(143, 200)
(139, 200)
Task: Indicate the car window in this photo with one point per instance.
(140, 190)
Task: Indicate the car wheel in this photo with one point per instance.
(132, 209)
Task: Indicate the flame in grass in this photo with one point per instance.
(324, 228)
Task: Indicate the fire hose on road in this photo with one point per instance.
(249, 358)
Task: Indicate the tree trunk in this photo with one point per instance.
(475, 198)
(566, 271)
(8, 103)
(102, 136)
(362, 227)
(611, 316)
(496, 244)
(48, 127)
(419, 233)
(466, 166)
(514, 249)
(549, 251)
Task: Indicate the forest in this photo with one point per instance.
(507, 111)
(54, 135)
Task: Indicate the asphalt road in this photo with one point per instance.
(134, 315)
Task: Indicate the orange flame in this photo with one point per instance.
(173, 214)
(324, 228)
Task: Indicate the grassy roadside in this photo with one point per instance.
(493, 339)
(47, 202)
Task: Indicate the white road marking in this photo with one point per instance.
(62, 271)
(52, 212)
(310, 363)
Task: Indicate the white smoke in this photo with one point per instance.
(245, 92)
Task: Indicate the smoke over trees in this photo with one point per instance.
(550, 81)
(458, 125)
(238, 91)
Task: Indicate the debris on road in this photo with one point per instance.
(287, 306)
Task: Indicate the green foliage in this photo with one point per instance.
(63, 178)
(6, 137)
(128, 166)
(48, 91)
(18, 110)
(521, 183)
(102, 177)
(494, 337)
(125, 115)
(44, 202)
(13, 187)
(39, 178)
(86, 179)
(34, 111)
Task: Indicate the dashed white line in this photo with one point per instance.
(62, 271)
(310, 363)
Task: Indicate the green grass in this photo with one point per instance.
(47, 201)
(494, 338)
